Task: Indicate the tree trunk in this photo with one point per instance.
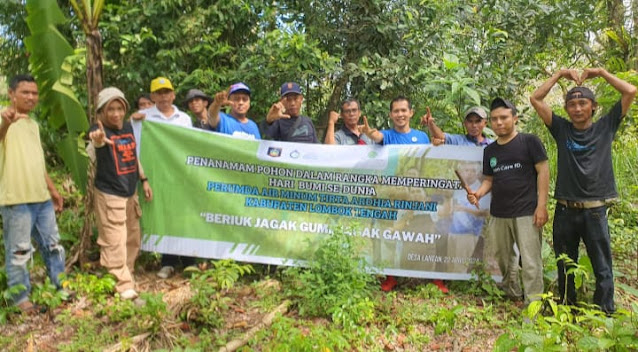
(333, 104)
(94, 83)
(93, 70)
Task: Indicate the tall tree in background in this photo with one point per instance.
(88, 13)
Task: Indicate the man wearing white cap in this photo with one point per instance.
(28, 198)
(237, 123)
(118, 172)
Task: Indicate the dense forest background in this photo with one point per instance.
(448, 55)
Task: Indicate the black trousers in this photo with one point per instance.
(570, 226)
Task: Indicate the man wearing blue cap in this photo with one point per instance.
(284, 121)
(237, 123)
(585, 182)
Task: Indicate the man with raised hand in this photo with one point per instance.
(118, 172)
(198, 102)
(400, 113)
(517, 173)
(585, 180)
(474, 122)
(237, 123)
(284, 121)
(163, 94)
(349, 132)
(28, 197)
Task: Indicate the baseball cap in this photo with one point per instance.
(502, 103)
(290, 88)
(239, 87)
(160, 83)
(580, 92)
(196, 93)
(108, 94)
(477, 110)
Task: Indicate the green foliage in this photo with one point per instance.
(48, 51)
(444, 319)
(581, 271)
(96, 289)
(6, 304)
(336, 282)
(207, 305)
(481, 284)
(286, 334)
(148, 315)
(571, 328)
(47, 294)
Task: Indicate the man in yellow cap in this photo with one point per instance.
(163, 94)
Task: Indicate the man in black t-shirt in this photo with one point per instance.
(284, 121)
(517, 173)
(585, 181)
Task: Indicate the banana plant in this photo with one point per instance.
(48, 50)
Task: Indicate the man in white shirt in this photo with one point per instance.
(163, 94)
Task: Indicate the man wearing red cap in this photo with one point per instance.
(284, 121)
(585, 182)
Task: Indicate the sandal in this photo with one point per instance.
(29, 308)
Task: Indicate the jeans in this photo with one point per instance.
(20, 223)
(570, 225)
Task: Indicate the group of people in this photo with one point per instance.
(515, 171)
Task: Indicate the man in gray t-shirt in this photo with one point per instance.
(585, 180)
(349, 133)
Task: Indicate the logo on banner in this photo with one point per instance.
(274, 152)
(294, 154)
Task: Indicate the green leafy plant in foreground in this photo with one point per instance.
(336, 282)
(207, 305)
(47, 294)
(6, 303)
(481, 284)
(287, 334)
(91, 286)
(571, 328)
